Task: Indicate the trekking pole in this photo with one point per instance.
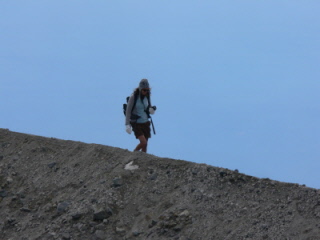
(154, 131)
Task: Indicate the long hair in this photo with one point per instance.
(136, 91)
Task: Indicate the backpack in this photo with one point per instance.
(126, 104)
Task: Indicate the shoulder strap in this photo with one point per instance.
(135, 101)
(148, 97)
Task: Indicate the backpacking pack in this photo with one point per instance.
(126, 104)
(125, 107)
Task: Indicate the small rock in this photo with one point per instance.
(136, 233)
(101, 215)
(105, 221)
(153, 176)
(65, 236)
(265, 227)
(81, 227)
(100, 234)
(177, 228)
(3, 193)
(51, 165)
(25, 210)
(21, 195)
(153, 223)
(117, 182)
(120, 230)
(9, 180)
(11, 221)
(185, 213)
(63, 207)
(76, 216)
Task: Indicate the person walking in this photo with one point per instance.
(138, 113)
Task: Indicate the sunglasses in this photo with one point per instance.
(146, 90)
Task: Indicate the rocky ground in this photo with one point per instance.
(57, 189)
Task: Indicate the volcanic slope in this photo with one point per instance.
(58, 189)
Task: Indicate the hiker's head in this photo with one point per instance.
(144, 87)
(144, 84)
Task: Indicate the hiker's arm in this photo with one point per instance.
(129, 109)
(151, 109)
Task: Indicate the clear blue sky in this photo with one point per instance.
(236, 83)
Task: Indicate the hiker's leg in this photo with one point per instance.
(142, 145)
(145, 150)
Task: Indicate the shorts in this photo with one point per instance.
(141, 129)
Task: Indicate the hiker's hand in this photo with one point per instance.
(128, 129)
(152, 110)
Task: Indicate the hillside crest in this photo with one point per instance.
(58, 189)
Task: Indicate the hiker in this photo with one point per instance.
(138, 113)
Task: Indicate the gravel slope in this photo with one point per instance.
(57, 189)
